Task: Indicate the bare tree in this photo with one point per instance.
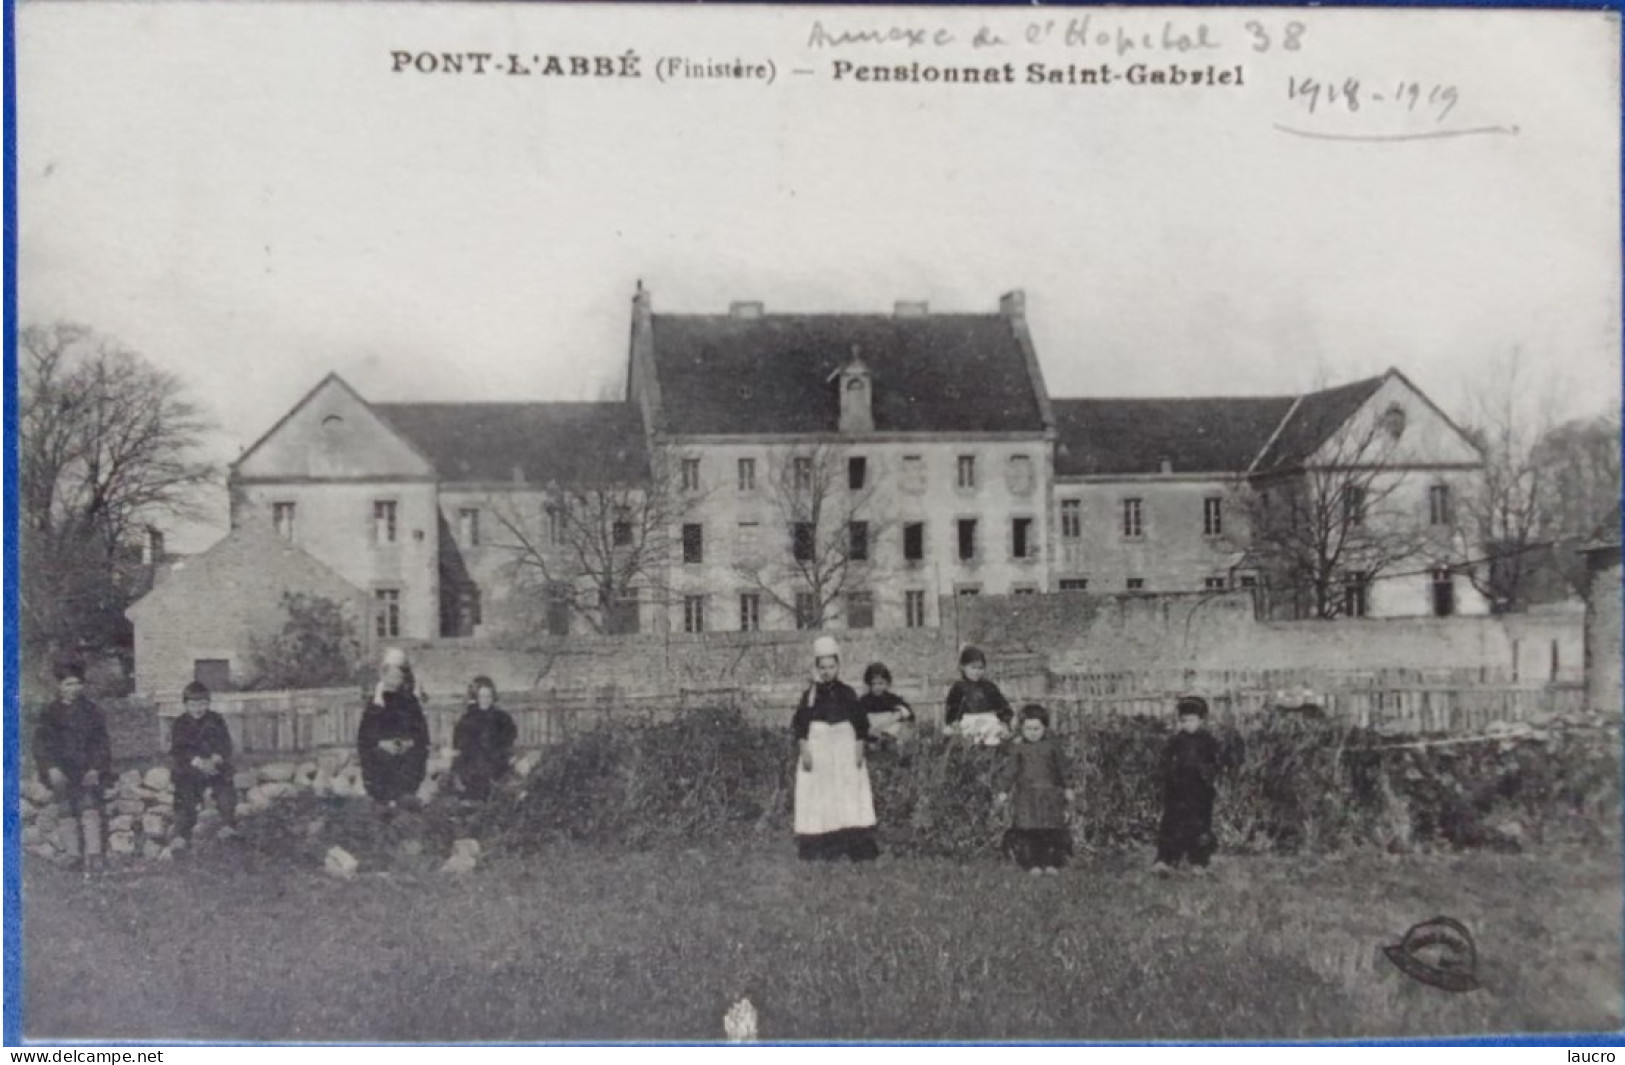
(108, 445)
(1577, 465)
(1323, 532)
(821, 543)
(1502, 514)
(588, 551)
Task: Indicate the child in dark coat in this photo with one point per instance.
(975, 705)
(1190, 769)
(200, 750)
(75, 760)
(890, 717)
(1035, 772)
(483, 741)
(393, 741)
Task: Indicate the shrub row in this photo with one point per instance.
(1286, 785)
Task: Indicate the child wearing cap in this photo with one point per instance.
(834, 807)
(1035, 773)
(200, 750)
(74, 759)
(976, 708)
(889, 715)
(1190, 768)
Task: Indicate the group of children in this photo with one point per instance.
(74, 758)
(834, 805)
(833, 727)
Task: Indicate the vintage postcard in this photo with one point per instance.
(559, 522)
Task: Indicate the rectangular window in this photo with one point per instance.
(1135, 584)
(750, 612)
(1248, 580)
(914, 541)
(748, 542)
(1444, 593)
(967, 539)
(1213, 516)
(693, 613)
(1071, 518)
(558, 609)
(386, 611)
(1074, 584)
(1021, 538)
(1355, 588)
(914, 609)
(1439, 504)
(857, 472)
(383, 521)
(1213, 584)
(691, 475)
(1133, 526)
(212, 673)
(620, 531)
(622, 614)
(1353, 504)
(693, 544)
(860, 610)
(468, 527)
(282, 516)
(803, 472)
(802, 536)
(555, 525)
(968, 590)
(747, 475)
(1024, 589)
(857, 541)
(967, 471)
(807, 611)
(1019, 475)
(914, 474)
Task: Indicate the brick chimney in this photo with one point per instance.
(1013, 304)
(857, 395)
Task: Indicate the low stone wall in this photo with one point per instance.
(140, 806)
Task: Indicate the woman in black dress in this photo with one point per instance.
(393, 741)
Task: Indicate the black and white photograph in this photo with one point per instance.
(554, 523)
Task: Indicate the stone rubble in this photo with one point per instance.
(140, 806)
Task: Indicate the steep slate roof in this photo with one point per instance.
(940, 373)
(1315, 419)
(572, 443)
(1115, 436)
(1206, 435)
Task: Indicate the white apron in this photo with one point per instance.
(835, 795)
(982, 728)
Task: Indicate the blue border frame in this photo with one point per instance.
(11, 1014)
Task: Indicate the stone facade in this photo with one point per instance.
(1603, 629)
(204, 613)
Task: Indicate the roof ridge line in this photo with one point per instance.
(1286, 420)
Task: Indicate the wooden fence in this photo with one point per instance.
(293, 722)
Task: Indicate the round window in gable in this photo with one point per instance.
(332, 423)
(1393, 421)
(855, 385)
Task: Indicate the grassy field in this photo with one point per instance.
(250, 941)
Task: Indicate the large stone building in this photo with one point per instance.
(777, 471)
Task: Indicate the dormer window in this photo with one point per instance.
(1393, 421)
(857, 409)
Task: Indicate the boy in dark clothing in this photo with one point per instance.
(975, 705)
(200, 748)
(483, 741)
(1190, 767)
(75, 760)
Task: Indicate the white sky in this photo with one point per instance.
(246, 194)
